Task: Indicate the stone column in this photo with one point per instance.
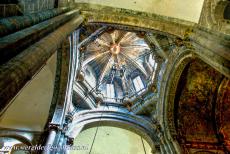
(53, 130)
(13, 44)
(18, 71)
(13, 24)
(57, 137)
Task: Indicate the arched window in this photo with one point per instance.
(138, 84)
(110, 93)
(227, 11)
(151, 61)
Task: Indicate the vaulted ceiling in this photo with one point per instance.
(120, 65)
(187, 10)
(117, 57)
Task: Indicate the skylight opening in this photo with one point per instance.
(138, 84)
(155, 66)
(110, 93)
(154, 71)
(151, 61)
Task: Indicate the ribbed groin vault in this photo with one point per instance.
(115, 77)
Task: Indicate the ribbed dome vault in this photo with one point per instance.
(118, 65)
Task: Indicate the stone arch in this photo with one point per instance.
(121, 119)
(227, 11)
(212, 15)
(177, 64)
(16, 143)
(20, 138)
(194, 107)
(123, 17)
(221, 10)
(169, 83)
(222, 112)
(221, 14)
(204, 152)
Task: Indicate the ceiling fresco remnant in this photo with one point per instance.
(197, 98)
(223, 112)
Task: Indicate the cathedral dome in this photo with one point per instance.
(118, 64)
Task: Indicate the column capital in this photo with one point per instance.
(70, 140)
(55, 127)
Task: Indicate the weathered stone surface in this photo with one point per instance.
(19, 70)
(13, 24)
(8, 10)
(105, 14)
(212, 16)
(28, 6)
(13, 44)
(213, 48)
